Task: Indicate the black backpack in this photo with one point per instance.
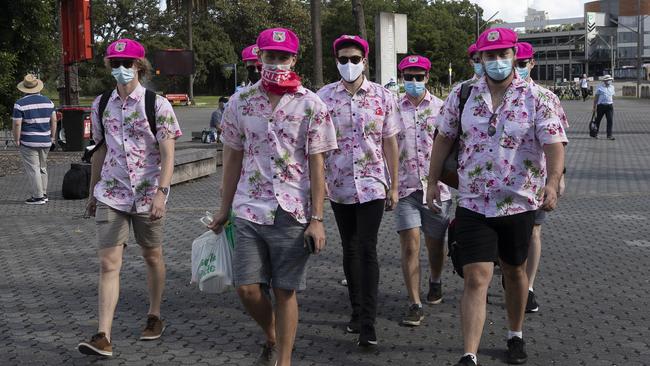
(149, 108)
(76, 181)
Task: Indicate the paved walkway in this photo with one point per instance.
(593, 283)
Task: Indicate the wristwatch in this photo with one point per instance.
(317, 218)
(164, 190)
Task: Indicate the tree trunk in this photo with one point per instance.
(317, 78)
(189, 42)
(360, 20)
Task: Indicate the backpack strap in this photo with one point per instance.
(103, 102)
(465, 91)
(150, 110)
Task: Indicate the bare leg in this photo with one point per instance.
(472, 307)
(534, 254)
(110, 260)
(437, 253)
(155, 277)
(286, 315)
(410, 243)
(260, 309)
(516, 294)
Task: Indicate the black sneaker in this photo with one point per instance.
(268, 356)
(435, 293)
(466, 361)
(367, 336)
(353, 326)
(611, 138)
(35, 201)
(414, 316)
(516, 354)
(45, 198)
(531, 304)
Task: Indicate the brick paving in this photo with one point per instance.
(592, 287)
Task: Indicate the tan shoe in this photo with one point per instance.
(98, 346)
(154, 329)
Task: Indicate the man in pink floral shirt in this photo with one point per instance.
(131, 174)
(275, 135)
(361, 175)
(510, 162)
(418, 110)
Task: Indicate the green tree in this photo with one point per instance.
(26, 29)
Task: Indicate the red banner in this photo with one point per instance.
(76, 31)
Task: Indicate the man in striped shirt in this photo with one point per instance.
(34, 130)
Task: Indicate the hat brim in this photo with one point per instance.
(249, 59)
(124, 56)
(495, 47)
(414, 67)
(524, 57)
(279, 48)
(39, 86)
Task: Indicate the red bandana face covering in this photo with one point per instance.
(279, 79)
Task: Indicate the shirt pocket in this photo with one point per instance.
(514, 133)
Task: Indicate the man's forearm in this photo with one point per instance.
(392, 159)
(96, 161)
(167, 149)
(232, 164)
(16, 131)
(439, 151)
(317, 183)
(53, 125)
(554, 163)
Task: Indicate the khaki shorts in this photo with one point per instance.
(113, 228)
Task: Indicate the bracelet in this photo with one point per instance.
(317, 218)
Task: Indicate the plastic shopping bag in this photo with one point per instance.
(212, 262)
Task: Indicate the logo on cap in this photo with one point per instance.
(255, 50)
(348, 36)
(120, 46)
(279, 36)
(493, 36)
(413, 60)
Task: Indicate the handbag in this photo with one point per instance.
(449, 175)
(593, 129)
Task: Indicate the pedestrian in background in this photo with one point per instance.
(604, 105)
(34, 130)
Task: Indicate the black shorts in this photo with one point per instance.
(482, 239)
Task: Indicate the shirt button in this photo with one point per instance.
(490, 150)
(272, 158)
(354, 114)
(355, 130)
(132, 186)
(124, 139)
(275, 176)
(277, 194)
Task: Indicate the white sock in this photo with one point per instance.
(512, 333)
(473, 356)
(530, 289)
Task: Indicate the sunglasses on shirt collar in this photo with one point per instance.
(127, 63)
(416, 77)
(354, 59)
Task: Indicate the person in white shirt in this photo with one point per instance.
(604, 105)
(584, 87)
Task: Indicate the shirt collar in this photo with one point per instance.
(406, 102)
(135, 95)
(365, 85)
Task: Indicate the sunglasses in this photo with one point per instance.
(354, 59)
(416, 77)
(523, 63)
(128, 63)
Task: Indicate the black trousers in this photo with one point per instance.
(358, 225)
(608, 111)
(585, 93)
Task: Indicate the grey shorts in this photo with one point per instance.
(412, 213)
(113, 227)
(540, 216)
(273, 255)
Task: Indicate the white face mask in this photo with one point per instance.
(349, 71)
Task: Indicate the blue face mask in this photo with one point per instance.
(478, 69)
(523, 72)
(498, 69)
(123, 75)
(414, 88)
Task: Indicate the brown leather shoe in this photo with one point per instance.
(98, 346)
(154, 329)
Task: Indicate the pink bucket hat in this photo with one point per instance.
(354, 39)
(250, 53)
(278, 39)
(471, 50)
(414, 61)
(525, 51)
(125, 48)
(496, 39)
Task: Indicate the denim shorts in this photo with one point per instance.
(272, 255)
(412, 213)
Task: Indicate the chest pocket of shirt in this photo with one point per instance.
(514, 133)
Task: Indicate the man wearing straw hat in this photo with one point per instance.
(34, 132)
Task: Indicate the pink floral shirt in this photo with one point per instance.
(415, 141)
(356, 172)
(276, 144)
(503, 174)
(131, 169)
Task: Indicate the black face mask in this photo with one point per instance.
(253, 73)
